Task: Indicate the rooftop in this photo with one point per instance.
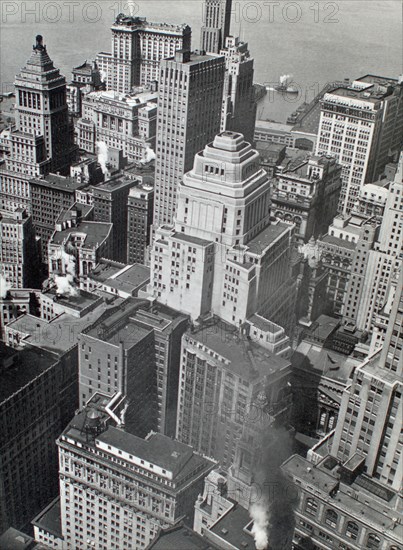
(268, 236)
(105, 269)
(59, 335)
(50, 519)
(129, 279)
(336, 241)
(82, 301)
(156, 449)
(60, 183)
(231, 528)
(95, 234)
(12, 539)
(19, 367)
(117, 182)
(271, 125)
(180, 537)
(327, 363)
(246, 358)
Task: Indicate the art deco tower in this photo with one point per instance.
(41, 107)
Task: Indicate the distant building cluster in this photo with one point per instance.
(200, 312)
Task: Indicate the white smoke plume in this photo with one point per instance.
(259, 514)
(102, 155)
(150, 155)
(4, 286)
(65, 283)
(286, 79)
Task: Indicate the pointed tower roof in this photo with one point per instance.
(39, 56)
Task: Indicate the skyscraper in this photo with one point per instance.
(216, 24)
(374, 271)
(137, 49)
(361, 126)
(223, 255)
(117, 490)
(41, 107)
(19, 250)
(349, 486)
(239, 105)
(189, 114)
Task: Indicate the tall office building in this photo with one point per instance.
(239, 105)
(19, 250)
(43, 139)
(349, 488)
(361, 126)
(189, 114)
(375, 270)
(139, 221)
(110, 206)
(118, 490)
(127, 123)
(229, 387)
(223, 255)
(117, 358)
(38, 396)
(137, 49)
(216, 25)
(306, 191)
(41, 107)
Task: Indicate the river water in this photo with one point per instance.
(315, 41)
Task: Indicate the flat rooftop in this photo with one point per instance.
(12, 539)
(272, 126)
(50, 519)
(105, 269)
(264, 324)
(246, 358)
(83, 300)
(231, 528)
(119, 326)
(116, 182)
(19, 367)
(336, 241)
(60, 183)
(180, 538)
(95, 233)
(61, 334)
(129, 278)
(267, 237)
(325, 362)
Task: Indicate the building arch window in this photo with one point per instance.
(373, 542)
(331, 518)
(311, 506)
(352, 530)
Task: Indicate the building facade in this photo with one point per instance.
(239, 105)
(223, 255)
(189, 114)
(110, 206)
(38, 396)
(349, 486)
(361, 126)
(124, 122)
(137, 49)
(41, 107)
(216, 25)
(140, 206)
(19, 250)
(127, 487)
(229, 387)
(307, 195)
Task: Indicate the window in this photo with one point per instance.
(331, 518)
(352, 530)
(311, 506)
(373, 542)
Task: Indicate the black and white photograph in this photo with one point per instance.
(201, 274)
